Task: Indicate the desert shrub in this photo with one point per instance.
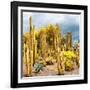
(68, 65)
(40, 60)
(49, 61)
(69, 54)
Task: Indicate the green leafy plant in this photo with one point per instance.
(38, 67)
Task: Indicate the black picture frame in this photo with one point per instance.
(14, 43)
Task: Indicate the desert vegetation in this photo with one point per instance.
(48, 52)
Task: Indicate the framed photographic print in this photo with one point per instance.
(48, 44)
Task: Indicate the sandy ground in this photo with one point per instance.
(50, 70)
